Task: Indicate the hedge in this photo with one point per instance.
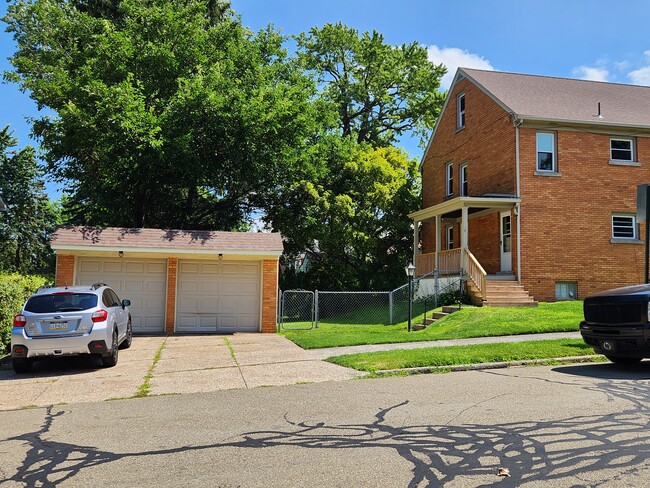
(14, 290)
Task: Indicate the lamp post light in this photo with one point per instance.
(410, 272)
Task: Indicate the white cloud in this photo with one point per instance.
(641, 76)
(454, 58)
(591, 73)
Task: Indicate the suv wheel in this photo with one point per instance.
(110, 361)
(22, 365)
(623, 360)
(126, 343)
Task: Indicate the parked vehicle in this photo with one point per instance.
(69, 321)
(617, 323)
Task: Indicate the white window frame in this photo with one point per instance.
(632, 149)
(554, 152)
(449, 179)
(450, 237)
(463, 181)
(460, 112)
(633, 226)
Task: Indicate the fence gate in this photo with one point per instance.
(297, 310)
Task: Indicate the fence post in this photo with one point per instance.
(315, 313)
(278, 312)
(460, 291)
(436, 287)
(390, 307)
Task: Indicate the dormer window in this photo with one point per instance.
(460, 106)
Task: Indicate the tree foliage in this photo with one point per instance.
(30, 217)
(168, 114)
(353, 223)
(380, 91)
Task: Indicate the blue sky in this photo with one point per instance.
(592, 39)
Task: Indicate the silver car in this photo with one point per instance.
(68, 321)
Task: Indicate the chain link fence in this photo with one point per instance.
(303, 310)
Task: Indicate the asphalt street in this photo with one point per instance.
(561, 426)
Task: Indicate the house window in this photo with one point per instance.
(449, 178)
(460, 105)
(566, 290)
(623, 226)
(621, 149)
(463, 180)
(450, 237)
(546, 157)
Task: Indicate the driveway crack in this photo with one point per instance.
(232, 354)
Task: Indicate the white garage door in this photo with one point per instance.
(142, 281)
(216, 296)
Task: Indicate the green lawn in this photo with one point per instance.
(456, 355)
(468, 322)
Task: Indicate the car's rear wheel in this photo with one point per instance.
(623, 359)
(110, 361)
(126, 343)
(22, 365)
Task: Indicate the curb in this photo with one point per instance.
(481, 366)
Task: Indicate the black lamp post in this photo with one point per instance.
(410, 272)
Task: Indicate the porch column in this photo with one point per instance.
(416, 240)
(438, 243)
(463, 236)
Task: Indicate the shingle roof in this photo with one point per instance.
(165, 239)
(563, 99)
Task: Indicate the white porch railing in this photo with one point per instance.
(475, 272)
(451, 260)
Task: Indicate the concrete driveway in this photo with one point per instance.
(169, 365)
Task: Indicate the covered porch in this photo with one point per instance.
(456, 213)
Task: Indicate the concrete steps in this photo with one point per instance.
(435, 316)
(501, 292)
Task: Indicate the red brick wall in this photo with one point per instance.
(486, 145)
(269, 295)
(170, 308)
(484, 241)
(64, 270)
(566, 220)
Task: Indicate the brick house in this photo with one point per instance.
(178, 281)
(529, 185)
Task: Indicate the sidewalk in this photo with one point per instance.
(340, 351)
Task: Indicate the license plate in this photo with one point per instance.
(58, 326)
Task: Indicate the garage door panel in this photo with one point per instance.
(89, 266)
(228, 293)
(137, 267)
(139, 280)
(112, 267)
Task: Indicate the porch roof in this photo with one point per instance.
(452, 208)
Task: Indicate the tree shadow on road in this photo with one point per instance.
(584, 450)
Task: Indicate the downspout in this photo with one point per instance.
(517, 123)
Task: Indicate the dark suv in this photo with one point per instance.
(617, 323)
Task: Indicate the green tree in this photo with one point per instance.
(354, 223)
(26, 225)
(168, 114)
(379, 91)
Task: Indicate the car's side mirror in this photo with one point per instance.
(126, 303)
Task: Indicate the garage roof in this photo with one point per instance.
(165, 240)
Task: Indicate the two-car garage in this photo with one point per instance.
(188, 282)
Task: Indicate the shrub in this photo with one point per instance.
(14, 290)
